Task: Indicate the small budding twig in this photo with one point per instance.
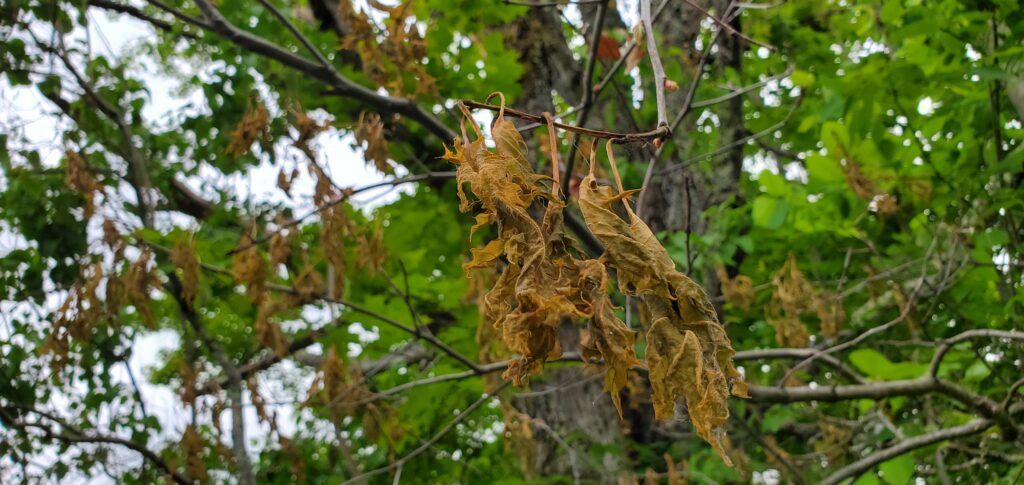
(659, 70)
(658, 134)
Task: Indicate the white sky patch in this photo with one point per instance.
(971, 54)
(926, 107)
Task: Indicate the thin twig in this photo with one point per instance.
(588, 93)
(346, 195)
(864, 464)
(616, 137)
(77, 436)
(726, 26)
(295, 32)
(432, 441)
(552, 4)
(659, 70)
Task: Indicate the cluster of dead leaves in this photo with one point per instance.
(98, 296)
(79, 178)
(369, 134)
(738, 290)
(389, 54)
(675, 474)
(253, 127)
(688, 352)
(342, 392)
(792, 296)
(545, 281)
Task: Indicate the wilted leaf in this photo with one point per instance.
(792, 295)
(688, 352)
(251, 128)
(184, 257)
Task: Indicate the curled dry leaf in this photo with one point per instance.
(688, 353)
(607, 337)
(248, 267)
(831, 312)
(253, 127)
(333, 226)
(792, 295)
(79, 178)
(285, 179)
(184, 257)
(192, 447)
(543, 281)
(280, 248)
(369, 134)
(141, 279)
(739, 290)
(76, 318)
(370, 249)
(390, 56)
(268, 332)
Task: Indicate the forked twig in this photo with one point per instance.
(660, 133)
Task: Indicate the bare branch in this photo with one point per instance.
(726, 26)
(647, 136)
(659, 70)
(867, 463)
(948, 344)
(139, 14)
(75, 435)
(588, 93)
(295, 32)
(431, 442)
(340, 85)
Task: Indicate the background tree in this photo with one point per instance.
(843, 179)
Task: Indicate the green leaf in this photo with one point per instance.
(899, 470)
(824, 169)
(802, 78)
(769, 212)
(877, 366)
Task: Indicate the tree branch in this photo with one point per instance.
(234, 387)
(659, 70)
(726, 26)
(431, 442)
(867, 463)
(647, 136)
(588, 93)
(340, 85)
(295, 32)
(77, 436)
(129, 10)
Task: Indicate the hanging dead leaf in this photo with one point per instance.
(184, 257)
(607, 337)
(792, 296)
(831, 312)
(369, 134)
(688, 353)
(370, 249)
(79, 178)
(268, 333)
(739, 290)
(280, 248)
(248, 267)
(141, 279)
(253, 127)
(608, 48)
(193, 448)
